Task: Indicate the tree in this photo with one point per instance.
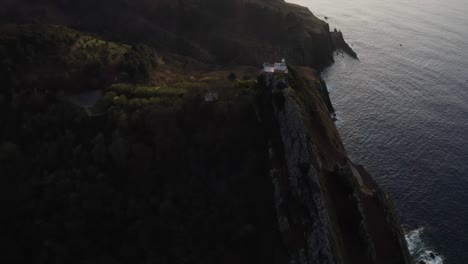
(232, 77)
(99, 150)
(139, 62)
(118, 149)
(9, 151)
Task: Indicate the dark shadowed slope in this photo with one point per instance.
(245, 32)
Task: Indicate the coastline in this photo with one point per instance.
(264, 172)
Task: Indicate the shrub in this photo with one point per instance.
(120, 100)
(245, 84)
(134, 103)
(109, 96)
(8, 150)
(139, 62)
(121, 88)
(145, 102)
(94, 68)
(145, 91)
(231, 77)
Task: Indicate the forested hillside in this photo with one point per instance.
(223, 32)
(151, 173)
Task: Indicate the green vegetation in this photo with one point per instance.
(232, 77)
(140, 177)
(86, 49)
(139, 62)
(125, 184)
(225, 32)
(55, 57)
(179, 90)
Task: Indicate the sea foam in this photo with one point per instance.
(419, 251)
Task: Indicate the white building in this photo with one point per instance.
(278, 67)
(268, 67)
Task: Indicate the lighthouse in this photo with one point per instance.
(277, 67)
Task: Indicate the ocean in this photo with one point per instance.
(403, 111)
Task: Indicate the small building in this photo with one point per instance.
(268, 67)
(278, 67)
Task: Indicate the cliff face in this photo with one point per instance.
(329, 210)
(222, 32)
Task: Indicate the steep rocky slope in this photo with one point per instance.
(329, 210)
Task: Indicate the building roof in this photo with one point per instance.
(275, 67)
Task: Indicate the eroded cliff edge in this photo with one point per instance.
(329, 210)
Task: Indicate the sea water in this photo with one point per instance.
(403, 111)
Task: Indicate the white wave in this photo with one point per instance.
(419, 251)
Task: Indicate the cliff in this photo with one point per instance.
(340, 44)
(329, 210)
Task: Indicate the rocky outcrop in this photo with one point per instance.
(302, 215)
(326, 96)
(340, 44)
(329, 210)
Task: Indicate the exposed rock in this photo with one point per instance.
(308, 227)
(326, 96)
(328, 209)
(340, 44)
